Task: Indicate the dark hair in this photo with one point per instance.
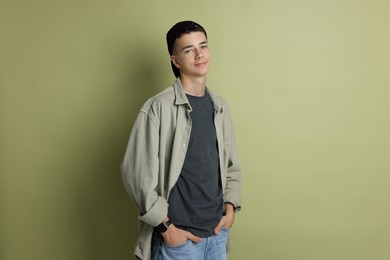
(176, 32)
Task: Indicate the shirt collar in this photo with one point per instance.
(181, 98)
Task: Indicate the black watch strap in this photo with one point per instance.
(163, 226)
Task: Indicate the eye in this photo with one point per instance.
(204, 46)
(188, 51)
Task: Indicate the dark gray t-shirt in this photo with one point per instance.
(196, 200)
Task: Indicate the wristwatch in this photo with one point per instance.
(163, 226)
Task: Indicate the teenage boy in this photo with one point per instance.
(181, 167)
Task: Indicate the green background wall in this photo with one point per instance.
(308, 83)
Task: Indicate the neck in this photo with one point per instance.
(193, 86)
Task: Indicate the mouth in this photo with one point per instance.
(200, 64)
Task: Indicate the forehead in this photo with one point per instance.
(192, 38)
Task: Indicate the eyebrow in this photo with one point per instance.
(191, 45)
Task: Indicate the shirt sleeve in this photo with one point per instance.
(232, 192)
(139, 169)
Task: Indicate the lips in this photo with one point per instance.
(200, 64)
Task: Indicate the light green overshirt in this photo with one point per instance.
(155, 155)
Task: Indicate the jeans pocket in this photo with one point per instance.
(225, 229)
(177, 246)
(187, 250)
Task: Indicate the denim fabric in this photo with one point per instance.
(211, 248)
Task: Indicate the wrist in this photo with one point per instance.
(229, 209)
(163, 226)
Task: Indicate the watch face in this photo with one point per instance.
(163, 226)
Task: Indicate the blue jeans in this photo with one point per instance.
(211, 248)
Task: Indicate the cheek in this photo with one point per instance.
(207, 54)
(179, 62)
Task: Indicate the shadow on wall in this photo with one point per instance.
(107, 217)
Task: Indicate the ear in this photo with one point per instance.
(174, 61)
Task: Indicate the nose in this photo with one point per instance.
(199, 54)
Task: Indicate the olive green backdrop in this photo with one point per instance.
(308, 83)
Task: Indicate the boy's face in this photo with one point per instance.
(191, 55)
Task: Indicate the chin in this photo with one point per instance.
(203, 70)
(201, 73)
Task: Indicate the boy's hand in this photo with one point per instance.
(175, 236)
(227, 220)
